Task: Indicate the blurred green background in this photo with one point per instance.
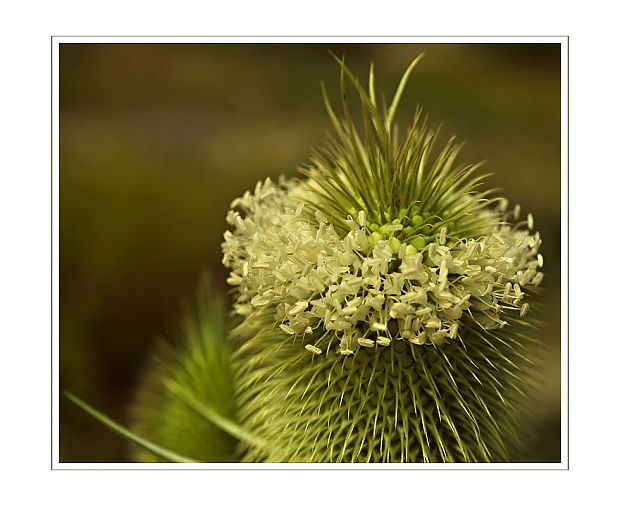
(157, 139)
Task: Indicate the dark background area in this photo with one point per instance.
(157, 139)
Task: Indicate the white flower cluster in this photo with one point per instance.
(368, 291)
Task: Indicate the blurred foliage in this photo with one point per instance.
(157, 139)
(200, 360)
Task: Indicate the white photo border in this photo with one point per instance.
(55, 329)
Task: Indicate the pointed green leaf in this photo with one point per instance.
(126, 433)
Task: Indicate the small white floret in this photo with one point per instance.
(361, 218)
(368, 343)
(442, 235)
(321, 218)
(383, 341)
(313, 349)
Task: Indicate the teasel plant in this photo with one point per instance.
(383, 310)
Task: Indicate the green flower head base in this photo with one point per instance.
(384, 298)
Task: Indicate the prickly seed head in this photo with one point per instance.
(382, 315)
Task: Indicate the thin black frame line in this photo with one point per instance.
(52, 254)
(318, 37)
(567, 256)
(271, 468)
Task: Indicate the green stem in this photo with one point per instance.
(127, 434)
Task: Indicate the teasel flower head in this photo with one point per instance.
(385, 299)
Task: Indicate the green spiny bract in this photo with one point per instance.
(384, 298)
(200, 363)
